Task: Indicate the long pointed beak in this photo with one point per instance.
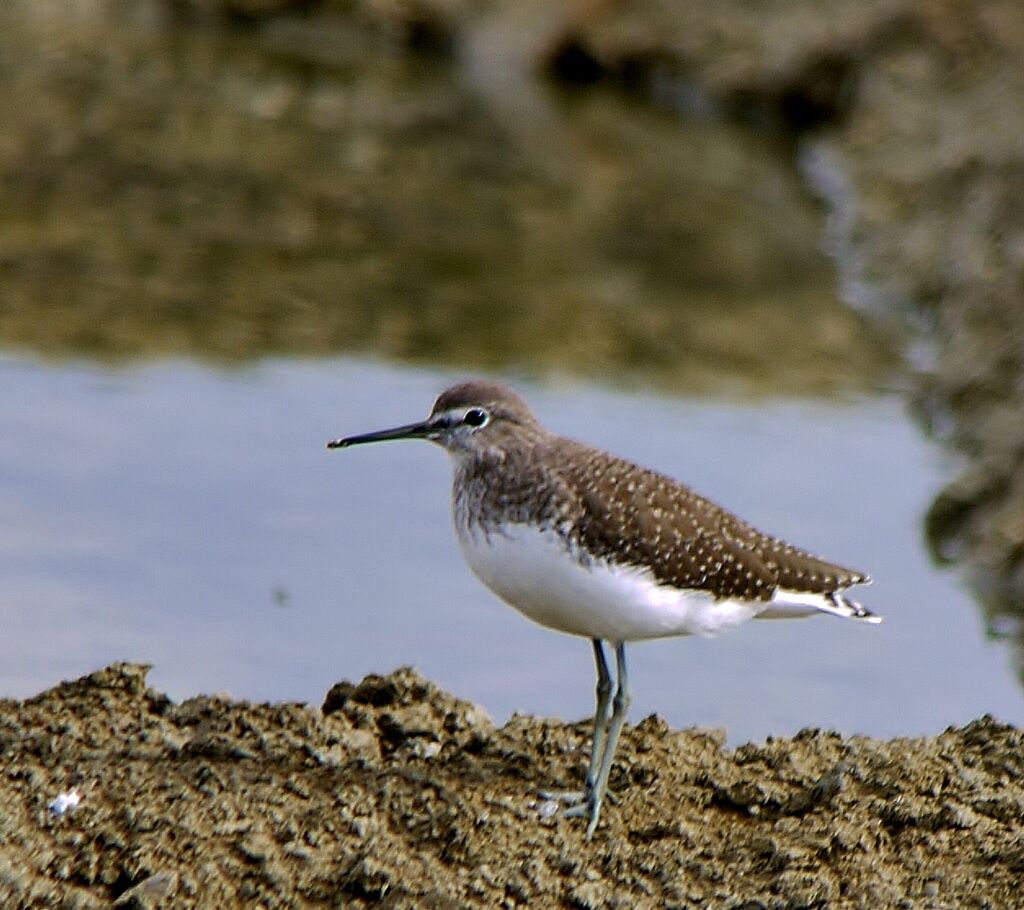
(423, 429)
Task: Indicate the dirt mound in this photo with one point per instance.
(399, 795)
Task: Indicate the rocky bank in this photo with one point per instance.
(396, 794)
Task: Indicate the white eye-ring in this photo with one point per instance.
(476, 417)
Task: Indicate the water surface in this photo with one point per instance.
(192, 518)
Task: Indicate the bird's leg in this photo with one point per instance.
(604, 692)
(601, 758)
(620, 705)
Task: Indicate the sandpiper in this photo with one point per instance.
(584, 542)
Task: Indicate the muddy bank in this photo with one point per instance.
(400, 795)
(305, 187)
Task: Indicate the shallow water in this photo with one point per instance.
(192, 518)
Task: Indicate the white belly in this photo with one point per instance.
(533, 571)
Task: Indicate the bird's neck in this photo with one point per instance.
(497, 488)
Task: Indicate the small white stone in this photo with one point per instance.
(65, 802)
(547, 808)
(429, 750)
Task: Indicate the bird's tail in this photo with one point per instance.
(786, 604)
(850, 609)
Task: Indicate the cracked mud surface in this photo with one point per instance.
(400, 795)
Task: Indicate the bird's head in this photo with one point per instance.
(467, 418)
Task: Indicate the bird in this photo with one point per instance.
(590, 544)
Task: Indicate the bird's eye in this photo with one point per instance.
(476, 417)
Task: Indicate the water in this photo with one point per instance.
(192, 518)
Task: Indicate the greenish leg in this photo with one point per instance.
(620, 705)
(581, 801)
(606, 738)
(604, 692)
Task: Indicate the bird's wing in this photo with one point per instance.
(793, 568)
(630, 514)
(646, 518)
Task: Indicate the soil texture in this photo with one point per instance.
(396, 794)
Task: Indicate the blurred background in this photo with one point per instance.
(774, 250)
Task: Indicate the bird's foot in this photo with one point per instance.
(568, 797)
(580, 804)
(590, 809)
(574, 799)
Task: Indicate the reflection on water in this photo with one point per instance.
(299, 189)
(194, 519)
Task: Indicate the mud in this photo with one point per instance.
(397, 794)
(305, 187)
